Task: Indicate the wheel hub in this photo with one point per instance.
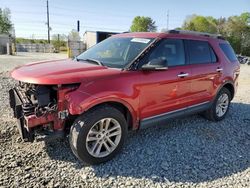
(103, 137)
(222, 105)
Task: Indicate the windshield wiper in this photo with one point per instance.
(92, 61)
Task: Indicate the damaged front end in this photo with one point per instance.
(40, 109)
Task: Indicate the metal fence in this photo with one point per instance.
(75, 48)
(44, 48)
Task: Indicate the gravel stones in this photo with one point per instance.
(189, 152)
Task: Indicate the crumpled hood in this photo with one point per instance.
(60, 72)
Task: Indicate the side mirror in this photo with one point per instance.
(155, 64)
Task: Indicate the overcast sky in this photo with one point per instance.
(29, 17)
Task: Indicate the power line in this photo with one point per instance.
(91, 12)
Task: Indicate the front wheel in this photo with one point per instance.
(220, 106)
(97, 136)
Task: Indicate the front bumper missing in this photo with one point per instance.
(16, 105)
(28, 123)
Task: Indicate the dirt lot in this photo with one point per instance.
(9, 62)
(189, 152)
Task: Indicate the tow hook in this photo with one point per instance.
(63, 114)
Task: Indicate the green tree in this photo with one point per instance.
(6, 26)
(143, 24)
(220, 24)
(59, 40)
(30, 41)
(200, 23)
(74, 35)
(237, 31)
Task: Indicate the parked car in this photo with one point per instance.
(243, 59)
(129, 81)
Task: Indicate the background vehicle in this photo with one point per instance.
(127, 82)
(243, 59)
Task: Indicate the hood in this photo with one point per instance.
(60, 72)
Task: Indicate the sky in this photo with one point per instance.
(29, 16)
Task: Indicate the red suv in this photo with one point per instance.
(127, 82)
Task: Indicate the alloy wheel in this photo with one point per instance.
(103, 137)
(222, 105)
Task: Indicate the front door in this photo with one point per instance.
(168, 90)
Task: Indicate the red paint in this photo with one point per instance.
(144, 94)
(33, 121)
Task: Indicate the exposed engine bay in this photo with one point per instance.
(39, 107)
(37, 100)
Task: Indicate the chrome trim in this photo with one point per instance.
(219, 69)
(183, 75)
(171, 112)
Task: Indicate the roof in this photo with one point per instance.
(172, 33)
(139, 34)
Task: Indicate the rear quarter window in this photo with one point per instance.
(228, 51)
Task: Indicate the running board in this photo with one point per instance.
(162, 118)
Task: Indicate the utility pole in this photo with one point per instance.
(48, 21)
(78, 26)
(168, 20)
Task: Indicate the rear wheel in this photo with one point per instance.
(220, 106)
(97, 136)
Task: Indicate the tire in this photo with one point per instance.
(88, 125)
(211, 113)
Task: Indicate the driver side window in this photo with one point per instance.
(171, 50)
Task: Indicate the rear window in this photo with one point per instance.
(200, 52)
(228, 51)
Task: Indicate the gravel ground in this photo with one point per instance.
(188, 152)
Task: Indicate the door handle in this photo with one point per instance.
(182, 75)
(219, 69)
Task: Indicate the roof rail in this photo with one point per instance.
(218, 36)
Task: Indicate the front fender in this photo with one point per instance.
(80, 102)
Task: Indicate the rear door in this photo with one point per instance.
(205, 68)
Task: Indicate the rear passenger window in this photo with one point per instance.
(228, 51)
(200, 52)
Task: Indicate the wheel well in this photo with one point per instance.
(230, 87)
(122, 108)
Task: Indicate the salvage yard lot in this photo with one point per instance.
(185, 152)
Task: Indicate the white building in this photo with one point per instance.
(90, 38)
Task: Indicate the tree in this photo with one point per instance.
(221, 25)
(143, 24)
(74, 35)
(236, 29)
(59, 40)
(6, 26)
(200, 23)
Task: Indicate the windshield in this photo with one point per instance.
(116, 52)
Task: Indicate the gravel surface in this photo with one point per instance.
(188, 152)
